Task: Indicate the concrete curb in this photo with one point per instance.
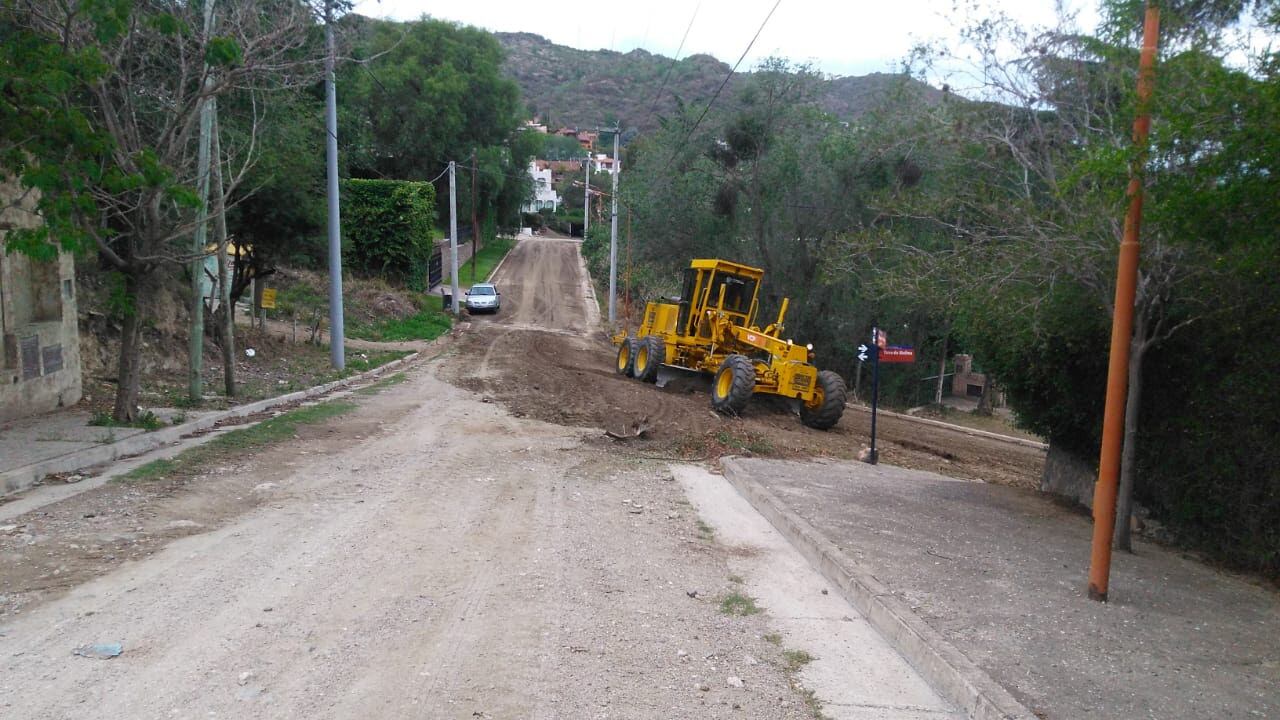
(951, 674)
(12, 481)
(959, 428)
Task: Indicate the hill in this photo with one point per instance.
(588, 88)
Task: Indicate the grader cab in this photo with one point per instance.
(712, 328)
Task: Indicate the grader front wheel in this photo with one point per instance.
(824, 411)
(626, 358)
(735, 382)
(650, 353)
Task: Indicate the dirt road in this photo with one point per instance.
(430, 555)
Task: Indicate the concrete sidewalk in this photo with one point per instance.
(31, 440)
(996, 576)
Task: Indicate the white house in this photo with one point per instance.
(545, 196)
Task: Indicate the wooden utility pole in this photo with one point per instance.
(1104, 492)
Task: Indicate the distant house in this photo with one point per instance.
(601, 163)
(545, 196)
(535, 126)
(588, 140)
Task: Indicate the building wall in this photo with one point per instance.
(39, 336)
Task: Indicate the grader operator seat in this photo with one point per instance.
(709, 283)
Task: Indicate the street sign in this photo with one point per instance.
(862, 353)
(898, 354)
(881, 340)
(268, 298)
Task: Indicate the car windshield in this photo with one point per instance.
(483, 290)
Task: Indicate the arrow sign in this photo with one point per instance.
(862, 353)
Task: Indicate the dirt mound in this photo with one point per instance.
(570, 381)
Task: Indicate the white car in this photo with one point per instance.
(483, 297)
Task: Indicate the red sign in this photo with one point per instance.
(897, 354)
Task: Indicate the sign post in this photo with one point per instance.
(877, 344)
(880, 351)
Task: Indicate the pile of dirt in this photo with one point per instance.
(570, 380)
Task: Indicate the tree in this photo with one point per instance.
(1037, 177)
(111, 93)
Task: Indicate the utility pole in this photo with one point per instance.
(475, 225)
(613, 234)
(224, 265)
(337, 334)
(586, 199)
(453, 236)
(1104, 492)
(195, 344)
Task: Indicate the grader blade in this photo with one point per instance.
(682, 376)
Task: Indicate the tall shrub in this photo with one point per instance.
(387, 228)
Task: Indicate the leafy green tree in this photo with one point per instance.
(106, 98)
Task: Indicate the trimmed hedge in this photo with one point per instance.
(387, 228)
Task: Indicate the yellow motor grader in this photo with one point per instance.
(712, 328)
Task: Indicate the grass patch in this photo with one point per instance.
(280, 427)
(358, 361)
(383, 384)
(772, 638)
(147, 421)
(485, 261)
(151, 470)
(269, 432)
(735, 603)
(736, 579)
(429, 323)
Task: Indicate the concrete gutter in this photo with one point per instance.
(950, 672)
(958, 428)
(18, 479)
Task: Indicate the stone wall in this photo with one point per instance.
(1070, 476)
(39, 337)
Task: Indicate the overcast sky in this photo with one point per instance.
(841, 37)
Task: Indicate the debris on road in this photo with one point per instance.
(99, 651)
(637, 429)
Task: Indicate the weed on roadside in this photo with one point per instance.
(381, 385)
(705, 531)
(793, 662)
(735, 579)
(772, 638)
(735, 603)
(146, 421)
(277, 429)
(796, 659)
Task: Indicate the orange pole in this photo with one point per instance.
(1104, 492)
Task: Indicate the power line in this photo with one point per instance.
(658, 95)
(707, 109)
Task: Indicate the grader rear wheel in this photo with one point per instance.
(828, 402)
(625, 364)
(650, 353)
(735, 382)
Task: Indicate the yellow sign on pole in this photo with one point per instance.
(269, 298)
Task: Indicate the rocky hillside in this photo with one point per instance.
(588, 88)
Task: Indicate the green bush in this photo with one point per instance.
(387, 228)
